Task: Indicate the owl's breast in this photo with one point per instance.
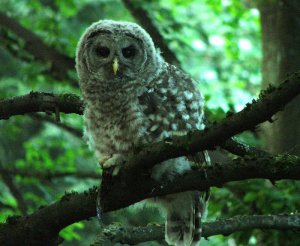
(116, 131)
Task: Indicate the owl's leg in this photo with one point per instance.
(184, 213)
(113, 161)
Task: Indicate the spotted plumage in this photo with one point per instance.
(134, 97)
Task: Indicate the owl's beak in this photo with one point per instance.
(115, 65)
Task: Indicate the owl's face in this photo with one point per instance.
(116, 52)
(115, 56)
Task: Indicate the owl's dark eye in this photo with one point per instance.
(128, 52)
(102, 51)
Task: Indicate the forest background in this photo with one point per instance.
(234, 49)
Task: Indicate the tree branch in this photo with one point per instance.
(115, 233)
(75, 207)
(60, 63)
(138, 187)
(259, 111)
(143, 17)
(11, 44)
(237, 148)
(45, 224)
(40, 102)
(267, 167)
(270, 102)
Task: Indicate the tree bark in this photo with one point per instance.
(280, 25)
(42, 227)
(115, 233)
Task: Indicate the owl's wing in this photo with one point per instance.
(172, 103)
(194, 102)
(174, 106)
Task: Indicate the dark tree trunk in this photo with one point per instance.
(280, 23)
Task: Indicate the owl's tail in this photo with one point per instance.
(183, 225)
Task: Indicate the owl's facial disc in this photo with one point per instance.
(115, 55)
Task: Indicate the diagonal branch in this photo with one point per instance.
(12, 45)
(270, 102)
(10, 183)
(143, 17)
(75, 207)
(16, 193)
(115, 233)
(138, 187)
(60, 63)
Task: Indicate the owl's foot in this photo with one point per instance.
(103, 159)
(115, 161)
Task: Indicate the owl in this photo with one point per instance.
(133, 97)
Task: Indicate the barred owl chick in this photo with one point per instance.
(134, 97)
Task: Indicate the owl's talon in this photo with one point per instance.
(115, 161)
(103, 160)
(116, 170)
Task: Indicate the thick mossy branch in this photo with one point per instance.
(115, 233)
(60, 63)
(40, 102)
(269, 103)
(138, 186)
(46, 223)
(43, 226)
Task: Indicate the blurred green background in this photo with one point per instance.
(217, 42)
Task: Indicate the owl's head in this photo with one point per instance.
(115, 51)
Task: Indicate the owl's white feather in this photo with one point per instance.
(134, 97)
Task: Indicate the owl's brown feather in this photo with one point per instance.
(146, 101)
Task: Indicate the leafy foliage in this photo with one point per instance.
(217, 42)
